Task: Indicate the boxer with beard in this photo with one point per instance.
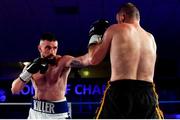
(48, 74)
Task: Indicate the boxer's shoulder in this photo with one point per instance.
(65, 59)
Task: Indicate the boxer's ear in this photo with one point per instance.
(39, 48)
(117, 18)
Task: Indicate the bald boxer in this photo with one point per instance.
(130, 93)
(48, 74)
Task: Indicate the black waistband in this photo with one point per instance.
(131, 83)
(49, 107)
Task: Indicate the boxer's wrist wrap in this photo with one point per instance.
(25, 76)
(95, 39)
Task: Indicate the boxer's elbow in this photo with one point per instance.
(93, 61)
(94, 57)
(14, 90)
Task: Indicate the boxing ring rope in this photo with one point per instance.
(84, 103)
(71, 106)
(75, 103)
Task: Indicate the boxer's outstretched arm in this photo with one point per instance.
(99, 42)
(81, 61)
(97, 48)
(97, 52)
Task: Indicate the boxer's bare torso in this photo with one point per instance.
(52, 85)
(132, 52)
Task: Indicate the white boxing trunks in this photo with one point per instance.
(41, 109)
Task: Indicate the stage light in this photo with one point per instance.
(85, 73)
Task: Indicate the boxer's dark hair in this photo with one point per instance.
(130, 9)
(48, 36)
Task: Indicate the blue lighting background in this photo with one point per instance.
(23, 21)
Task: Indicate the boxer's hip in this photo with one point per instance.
(50, 107)
(42, 109)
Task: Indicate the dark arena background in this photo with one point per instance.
(23, 21)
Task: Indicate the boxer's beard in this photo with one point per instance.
(51, 56)
(51, 59)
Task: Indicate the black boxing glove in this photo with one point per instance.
(44, 64)
(51, 61)
(31, 69)
(97, 30)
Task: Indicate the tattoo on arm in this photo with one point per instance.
(76, 63)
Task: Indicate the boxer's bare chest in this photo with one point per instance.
(51, 76)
